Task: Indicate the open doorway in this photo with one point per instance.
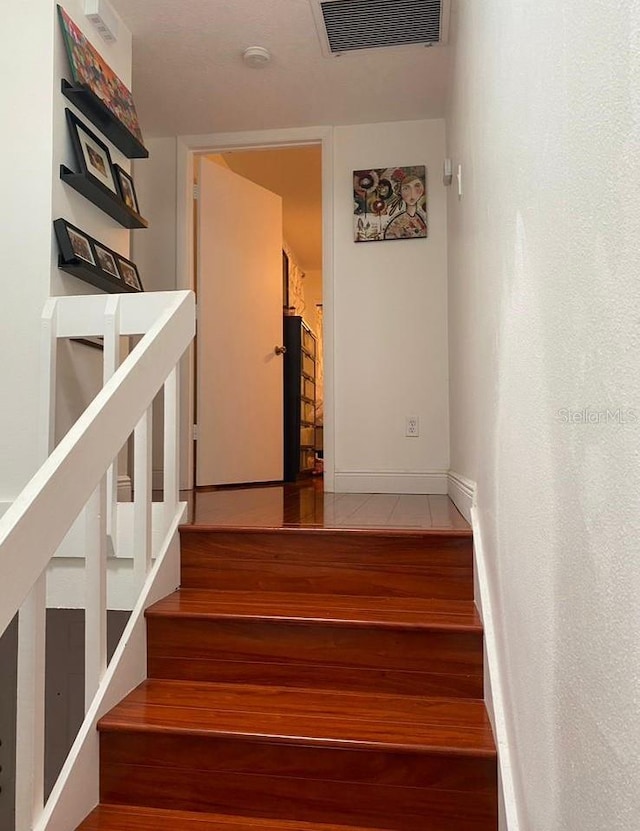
(260, 413)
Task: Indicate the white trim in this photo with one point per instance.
(75, 793)
(124, 489)
(187, 148)
(494, 686)
(373, 481)
(462, 493)
(4, 507)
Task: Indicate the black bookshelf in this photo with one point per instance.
(101, 116)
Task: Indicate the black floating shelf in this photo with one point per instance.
(101, 116)
(105, 199)
(94, 275)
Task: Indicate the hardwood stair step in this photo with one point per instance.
(431, 564)
(408, 646)
(321, 717)
(363, 759)
(382, 612)
(369, 760)
(137, 818)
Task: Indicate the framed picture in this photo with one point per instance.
(89, 69)
(92, 155)
(390, 203)
(127, 189)
(129, 273)
(90, 260)
(80, 246)
(106, 261)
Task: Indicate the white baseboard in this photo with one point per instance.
(494, 686)
(432, 481)
(124, 489)
(462, 493)
(4, 507)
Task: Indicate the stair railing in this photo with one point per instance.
(78, 478)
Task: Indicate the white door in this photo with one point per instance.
(239, 386)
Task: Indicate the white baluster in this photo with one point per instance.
(142, 500)
(95, 623)
(111, 361)
(171, 439)
(30, 723)
(32, 619)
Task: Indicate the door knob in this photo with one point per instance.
(280, 350)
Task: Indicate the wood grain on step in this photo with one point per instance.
(322, 717)
(307, 800)
(448, 548)
(317, 676)
(392, 612)
(410, 564)
(330, 764)
(444, 653)
(203, 570)
(137, 818)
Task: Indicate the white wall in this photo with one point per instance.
(153, 249)
(25, 212)
(34, 143)
(390, 323)
(544, 312)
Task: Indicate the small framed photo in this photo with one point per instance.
(127, 189)
(129, 273)
(74, 245)
(92, 155)
(106, 261)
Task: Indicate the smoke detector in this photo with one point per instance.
(354, 25)
(256, 57)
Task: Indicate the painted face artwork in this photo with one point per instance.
(411, 192)
(390, 203)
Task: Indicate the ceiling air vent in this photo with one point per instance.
(352, 25)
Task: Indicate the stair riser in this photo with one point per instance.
(435, 566)
(207, 571)
(380, 789)
(333, 546)
(327, 656)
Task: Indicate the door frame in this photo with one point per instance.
(187, 149)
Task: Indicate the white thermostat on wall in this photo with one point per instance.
(103, 18)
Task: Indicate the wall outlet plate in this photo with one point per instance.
(412, 427)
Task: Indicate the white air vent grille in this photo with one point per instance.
(349, 25)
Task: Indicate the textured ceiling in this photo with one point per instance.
(295, 174)
(189, 78)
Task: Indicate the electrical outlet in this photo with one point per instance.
(412, 426)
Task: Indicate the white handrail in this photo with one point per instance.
(78, 479)
(34, 526)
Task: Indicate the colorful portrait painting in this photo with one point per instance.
(89, 68)
(390, 203)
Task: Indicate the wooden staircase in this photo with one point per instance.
(307, 680)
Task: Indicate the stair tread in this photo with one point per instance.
(316, 717)
(405, 612)
(135, 818)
